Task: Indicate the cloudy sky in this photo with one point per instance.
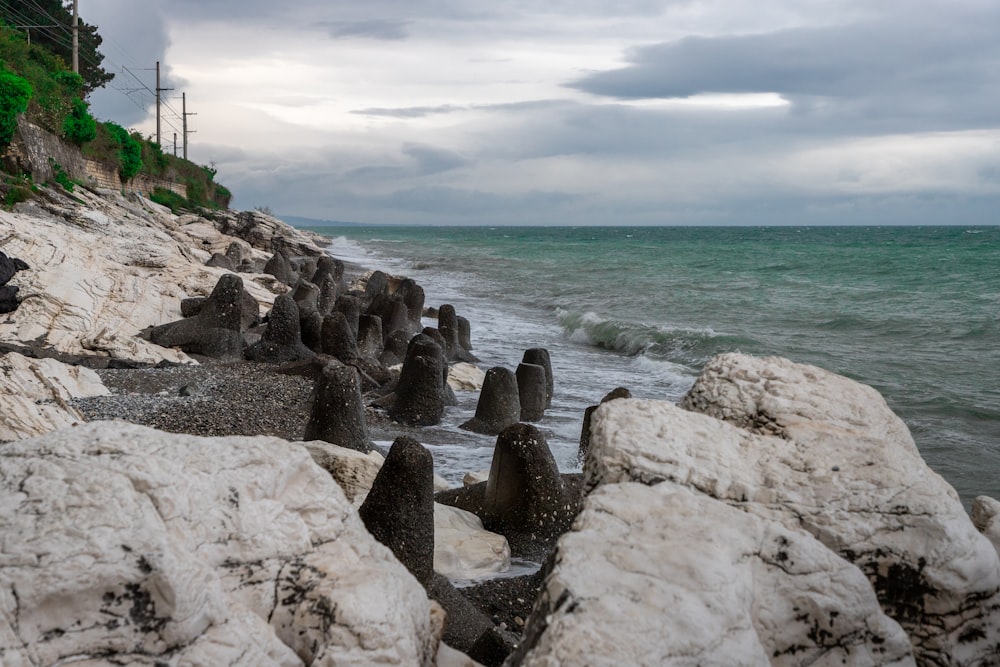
(668, 112)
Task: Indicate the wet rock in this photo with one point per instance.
(377, 284)
(498, 406)
(412, 295)
(370, 336)
(338, 339)
(350, 306)
(393, 313)
(540, 356)
(280, 267)
(327, 295)
(448, 326)
(399, 508)
(617, 392)
(328, 266)
(337, 415)
(395, 347)
(312, 331)
(531, 391)
(306, 296)
(464, 333)
(419, 395)
(282, 339)
(216, 331)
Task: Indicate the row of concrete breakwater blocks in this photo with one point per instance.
(348, 339)
(371, 328)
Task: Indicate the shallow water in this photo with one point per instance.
(911, 311)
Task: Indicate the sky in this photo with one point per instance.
(580, 112)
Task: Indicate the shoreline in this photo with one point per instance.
(760, 451)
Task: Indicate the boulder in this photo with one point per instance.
(498, 406)
(280, 267)
(216, 330)
(663, 575)
(370, 336)
(449, 328)
(463, 548)
(465, 377)
(338, 414)
(531, 391)
(412, 295)
(126, 545)
(805, 476)
(399, 508)
(617, 392)
(540, 356)
(36, 395)
(337, 339)
(281, 341)
(986, 518)
(419, 394)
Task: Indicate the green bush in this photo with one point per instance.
(14, 95)
(168, 198)
(79, 126)
(129, 151)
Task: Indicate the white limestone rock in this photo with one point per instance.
(463, 549)
(464, 376)
(123, 544)
(986, 518)
(103, 270)
(821, 454)
(35, 395)
(354, 471)
(662, 575)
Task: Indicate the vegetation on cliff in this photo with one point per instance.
(36, 82)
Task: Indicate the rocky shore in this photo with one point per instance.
(188, 476)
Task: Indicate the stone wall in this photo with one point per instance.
(34, 151)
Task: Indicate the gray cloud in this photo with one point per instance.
(936, 69)
(381, 29)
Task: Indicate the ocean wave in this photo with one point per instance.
(679, 345)
(349, 250)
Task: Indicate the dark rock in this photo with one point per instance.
(393, 313)
(449, 393)
(8, 298)
(305, 267)
(9, 266)
(192, 305)
(216, 331)
(399, 509)
(448, 326)
(350, 306)
(191, 390)
(281, 341)
(506, 600)
(306, 296)
(525, 499)
(498, 406)
(617, 392)
(328, 266)
(337, 339)
(312, 331)
(464, 333)
(327, 296)
(412, 295)
(337, 415)
(540, 356)
(377, 285)
(280, 267)
(236, 254)
(394, 349)
(531, 391)
(419, 399)
(465, 624)
(370, 336)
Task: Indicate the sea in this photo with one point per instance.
(912, 311)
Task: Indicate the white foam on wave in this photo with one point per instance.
(349, 250)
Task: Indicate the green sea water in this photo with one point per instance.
(912, 311)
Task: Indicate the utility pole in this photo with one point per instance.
(76, 36)
(184, 115)
(175, 144)
(158, 90)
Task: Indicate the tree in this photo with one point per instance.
(14, 95)
(57, 36)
